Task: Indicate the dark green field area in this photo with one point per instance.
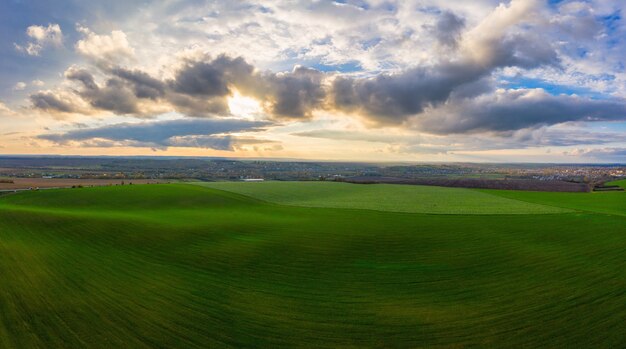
(611, 203)
(621, 183)
(189, 266)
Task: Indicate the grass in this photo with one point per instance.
(621, 183)
(187, 266)
(383, 197)
(612, 203)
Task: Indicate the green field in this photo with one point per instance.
(383, 197)
(621, 183)
(612, 203)
(189, 266)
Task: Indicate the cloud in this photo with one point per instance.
(343, 135)
(200, 86)
(565, 135)
(143, 85)
(19, 86)
(391, 98)
(448, 29)
(37, 83)
(227, 142)
(208, 77)
(450, 97)
(507, 110)
(5, 110)
(52, 33)
(606, 154)
(374, 63)
(41, 37)
(114, 96)
(104, 49)
(295, 94)
(200, 133)
(55, 102)
(453, 97)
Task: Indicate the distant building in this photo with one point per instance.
(253, 179)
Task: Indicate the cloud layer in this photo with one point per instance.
(425, 72)
(200, 133)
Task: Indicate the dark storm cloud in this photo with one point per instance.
(517, 109)
(121, 92)
(447, 30)
(288, 95)
(295, 94)
(201, 87)
(204, 132)
(51, 102)
(83, 76)
(143, 85)
(211, 78)
(526, 51)
(116, 95)
(453, 96)
(392, 98)
(198, 107)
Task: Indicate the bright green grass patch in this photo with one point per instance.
(600, 202)
(621, 183)
(382, 197)
(192, 267)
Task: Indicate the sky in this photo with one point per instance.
(350, 80)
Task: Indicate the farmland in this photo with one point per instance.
(25, 183)
(383, 197)
(311, 265)
(621, 183)
(605, 203)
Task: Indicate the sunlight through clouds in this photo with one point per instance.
(471, 75)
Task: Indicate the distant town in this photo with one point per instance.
(557, 177)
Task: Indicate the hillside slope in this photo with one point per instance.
(192, 267)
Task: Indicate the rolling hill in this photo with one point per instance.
(190, 266)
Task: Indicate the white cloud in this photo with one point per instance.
(606, 153)
(6, 111)
(41, 37)
(19, 86)
(104, 49)
(37, 83)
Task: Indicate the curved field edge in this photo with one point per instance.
(383, 197)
